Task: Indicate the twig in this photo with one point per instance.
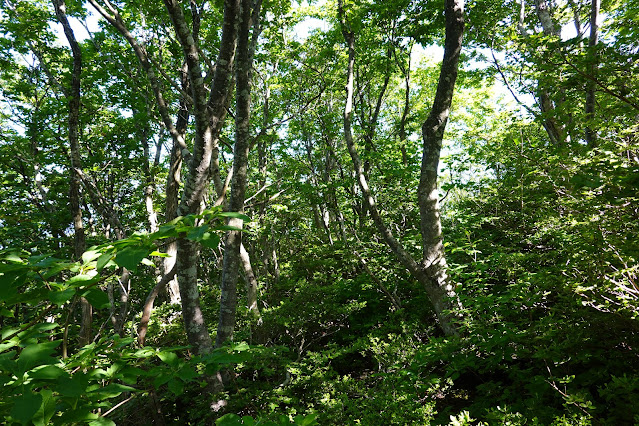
(118, 405)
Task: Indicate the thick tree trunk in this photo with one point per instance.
(209, 116)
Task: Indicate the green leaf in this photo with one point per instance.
(37, 354)
(308, 420)
(147, 262)
(229, 420)
(83, 280)
(9, 284)
(72, 387)
(168, 357)
(7, 363)
(11, 343)
(102, 421)
(197, 233)
(111, 391)
(57, 268)
(60, 297)
(176, 386)
(242, 346)
(6, 313)
(210, 240)
(13, 257)
(26, 406)
(235, 215)
(103, 261)
(97, 298)
(46, 411)
(131, 257)
(48, 372)
(248, 420)
(90, 255)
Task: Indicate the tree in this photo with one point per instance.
(431, 273)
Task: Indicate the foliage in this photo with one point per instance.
(540, 232)
(41, 384)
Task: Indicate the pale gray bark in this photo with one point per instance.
(209, 116)
(174, 180)
(548, 106)
(545, 18)
(251, 284)
(149, 176)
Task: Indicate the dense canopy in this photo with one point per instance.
(319, 212)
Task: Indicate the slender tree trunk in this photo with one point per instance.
(590, 134)
(406, 110)
(438, 292)
(149, 176)
(228, 300)
(79, 241)
(251, 283)
(148, 305)
(434, 258)
(554, 129)
(174, 179)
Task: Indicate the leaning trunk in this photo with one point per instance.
(438, 283)
(432, 276)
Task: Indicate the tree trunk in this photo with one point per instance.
(228, 300)
(434, 259)
(251, 284)
(209, 116)
(174, 179)
(79, 241)
(438, 292)
(554, 129)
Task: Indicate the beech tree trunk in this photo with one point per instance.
(251, 283)
(209, 116)
(444, 299)
(431, 273)
(554, 128)
(231, 264)
(79, 241)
